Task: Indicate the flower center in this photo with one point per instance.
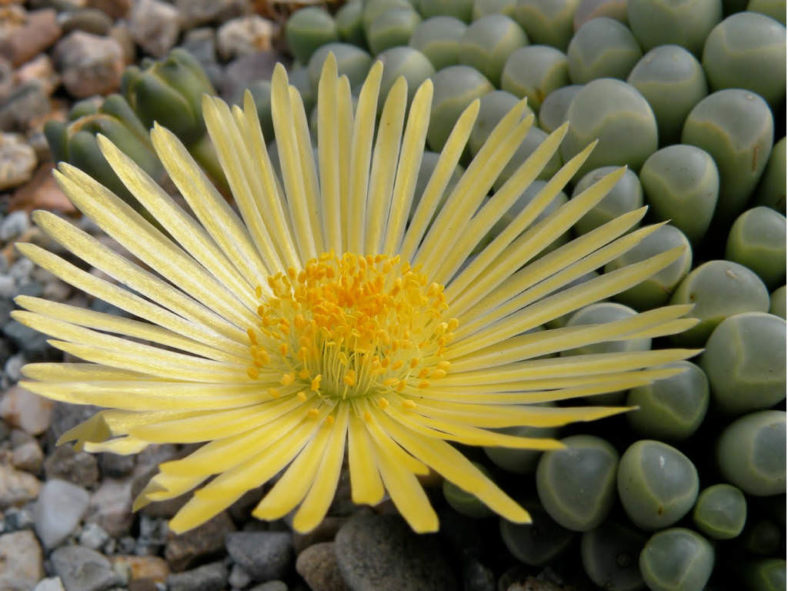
(350, 326)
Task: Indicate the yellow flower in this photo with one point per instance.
(324, 315)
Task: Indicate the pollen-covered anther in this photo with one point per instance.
(349, 326)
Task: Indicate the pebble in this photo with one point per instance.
(6, 78)
(65, 416)
(17, 161)
(264, 555)
(270, 586)
(59, 510)
(21, 269)
(89, 64)
(13, 365)
(477, 577)
(20, 559)
(14, 225)
(194, 13)
(83, 569)
(34, 36)
(244, 36)
(7, 287)
(116, 465)
(318, 567)
(77, 467)
(32, 343)
(27, 411)
(183, 550)
(110, 507)
(152, 568)
(324, 532)
(211, 577)
(17, 488)
(53, 584)
(154, 26)
(239, 72)
(90, 20)
(381, 552)
(28, 457)
(17, 518)
(39, 70)
(122, 35)
(93, 536)
(114, 8)
(201, 43)
(239, 577)
(29, 101)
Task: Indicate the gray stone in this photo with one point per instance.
(78, 467)
(318, 566)
(154, 26)
(477, 577)
(201, 43)
(239, 577)
(20, 559)
(89, 64)
(116, 465)
(59, 510)
(110, 507)
(21, 269)
(245, 36)
(211, 577)
(13, 365)
(200, 12)
(53, 584)
(14, 225)
(18, 518)
(264, 555)
(17, 488)
(238, 73)
(83, 569)
(93, 536)
(27, 102)
(31, 342)
(89, 20)
(270, 586)
(17, 161)
(183, 550)
(7, 287)
(66, 416)
(381, 552)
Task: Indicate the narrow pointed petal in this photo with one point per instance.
(408, 167)
(361, 154)
(384, 165)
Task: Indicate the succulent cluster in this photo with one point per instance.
(688, 491)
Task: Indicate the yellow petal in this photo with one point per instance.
(456, 468)
(384, 165)
(365, 482)
(321, 493)
(361, 152)
(408, 167)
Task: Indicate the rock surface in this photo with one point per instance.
(264, 555)
(381, 552)
(59, 509)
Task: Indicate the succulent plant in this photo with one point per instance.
(657, 484)
(74, 141)
(682, 185)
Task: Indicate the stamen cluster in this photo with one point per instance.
(351, 326)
